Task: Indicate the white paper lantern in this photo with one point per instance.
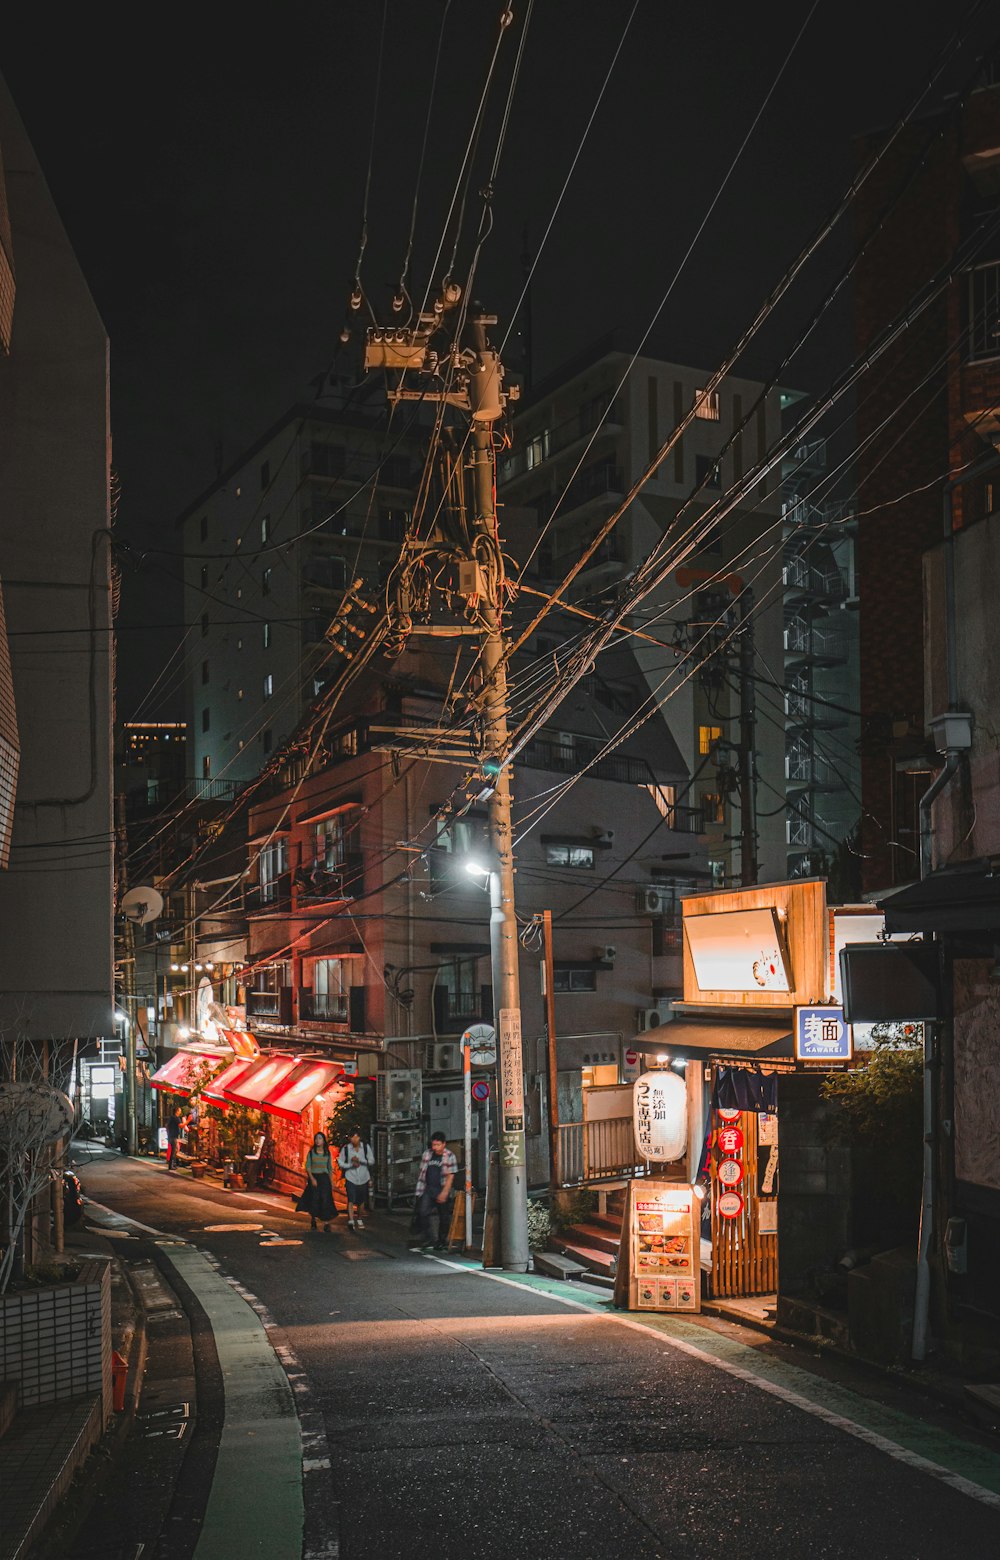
(659, 1114)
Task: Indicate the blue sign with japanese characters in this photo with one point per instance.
(821, 1035)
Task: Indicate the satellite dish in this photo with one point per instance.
(141, 905)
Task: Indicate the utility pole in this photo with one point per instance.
(748, 757)
(484, 393)
(474, 385)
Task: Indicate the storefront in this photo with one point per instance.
(761, 1001)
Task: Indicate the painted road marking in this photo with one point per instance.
(924, 1447)
(216, 1229)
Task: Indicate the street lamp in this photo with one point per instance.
(496, 865)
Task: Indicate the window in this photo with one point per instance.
(569, 855)
(239, 695)
(265, 738)
(665, 798)
(265, 528)
(706, 405)
(204, 576)
(344, 743)
(653, 416)
(239, 644)
(461, 995)
(330, 840)
(265, 635)
(678, 418)
(330, 985)
(265, 582)
(206, 767)
(537, 449)
(712, 807)
(268, 684)
(706, 471)
(206, 720)
(708, 736)
(265, 476)
(737, 437)
(567, 979)
(204, 672)
(325, 460)
(273, 864)
(984, 311)
(204, 624)
(204, 528)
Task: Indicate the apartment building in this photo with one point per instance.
(320, 500)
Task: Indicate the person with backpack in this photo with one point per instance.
(355, 1159)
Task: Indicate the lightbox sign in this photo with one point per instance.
(821, 1035)
(659, 1113)
(737, 950)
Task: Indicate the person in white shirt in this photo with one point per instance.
(354, 1159)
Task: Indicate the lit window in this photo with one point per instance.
(265, 527)
(266, 636)
(239, 696)
(665, 797)
(708, 736)
(268, 685)
(265, 582)
(206, 767)
(569, 855)
(706, 405)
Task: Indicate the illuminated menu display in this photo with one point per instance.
(665, 1238)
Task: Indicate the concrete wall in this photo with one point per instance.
(56, 951)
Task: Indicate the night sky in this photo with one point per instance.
(210, 162)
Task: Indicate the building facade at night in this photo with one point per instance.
(57, 898)
(580, 442)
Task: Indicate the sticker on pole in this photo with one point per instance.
(480, 1090)
(511, 1074)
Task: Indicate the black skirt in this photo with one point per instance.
(318, 1200)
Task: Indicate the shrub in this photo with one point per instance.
(539, 1225)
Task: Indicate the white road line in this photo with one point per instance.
(850, 1426)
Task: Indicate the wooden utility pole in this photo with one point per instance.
(748, 757)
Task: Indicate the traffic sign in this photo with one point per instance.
(481, 1040)
(631, 1057)
(480, 1090)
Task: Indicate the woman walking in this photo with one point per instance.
(317, 1198)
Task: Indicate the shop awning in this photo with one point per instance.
(236, 1070)
(242, 1043)
(728, 1039)
(259, 1079)
(297, 1090)
(965, 898)
(177, 1075)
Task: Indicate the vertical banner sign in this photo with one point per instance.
(511, 1100)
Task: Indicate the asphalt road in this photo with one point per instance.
(449, 1411)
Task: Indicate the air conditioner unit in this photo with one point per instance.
(606, 953)
(652, 1018)
(447, 1056)
(398, 1094)
(656, 901)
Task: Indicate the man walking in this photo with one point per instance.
(437, 1172)
(354, 1159)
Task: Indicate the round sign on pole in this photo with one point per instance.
(631, 1058)
(482, 1042)
(730, 1205)
(730, 1140)
(730, 1172)
(480, 1090)
(727, 1113)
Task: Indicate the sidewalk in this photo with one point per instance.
(44, 1447)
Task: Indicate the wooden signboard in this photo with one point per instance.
(456, 1230)
(659, 1266)
(797, 912)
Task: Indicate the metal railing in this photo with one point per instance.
(330, 1006)
(597, 1151)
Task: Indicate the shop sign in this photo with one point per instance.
(663, 1247)
(730, 1140)
(730, 1172)
(728, 1113)
(821, 1035)
(767, 1129)
(730, 1205)
(659, 1113)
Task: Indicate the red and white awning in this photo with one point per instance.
(214, 1091)
(296, 1091)
(184, 1068)
(258, 1080)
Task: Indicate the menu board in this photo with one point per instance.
(664, 1238)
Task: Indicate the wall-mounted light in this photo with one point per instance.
(175, 967)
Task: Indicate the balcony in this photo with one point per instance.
(271, 893)
(542, 446)
(807, 641)
(566, 758)
(273, 1005)
(329, 1007)
(598, 481)
(317, 882)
